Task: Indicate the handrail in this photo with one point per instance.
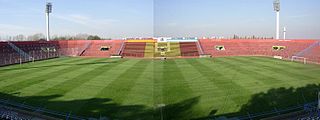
(303, 52)
(85, 48)
(200, 48)
(18, 50)
(121, 48)
(43, 111)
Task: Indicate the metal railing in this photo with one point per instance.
(18, 50)
(87, 45)
(312, 106)
(15, 58)
(40, 110)
(121, 48)
(200, 48)
(303, 52)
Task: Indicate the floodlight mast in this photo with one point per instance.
(284, 33)
(48, 11)
(276, 5)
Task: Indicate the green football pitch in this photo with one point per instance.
(156, 89)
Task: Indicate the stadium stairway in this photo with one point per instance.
(94, 50)
(7, 54)
(86, 46)
(19, 51)
(312, 52)
(25, 51)
(308, 49)
(200, 49)
(120, 50)
(39, 50)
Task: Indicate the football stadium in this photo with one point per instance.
(160, 78)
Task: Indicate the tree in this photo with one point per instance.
(20, 37)
(81, 36)
(37, 36)
(93, 37)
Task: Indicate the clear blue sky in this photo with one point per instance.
(146, 18)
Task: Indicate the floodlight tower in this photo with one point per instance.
(276, 5)
(48, 11)
(284, 32)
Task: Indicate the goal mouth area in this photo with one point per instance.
(299, 59)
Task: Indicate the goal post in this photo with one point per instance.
(299, 59)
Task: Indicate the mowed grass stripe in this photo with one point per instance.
(233, 98)
(284, 63)
(283, 70)
(196, 81)
(9, 81)
(255, 79)
(23, 83)
(37, 68)
(284, 75)
(116, 92)
(119, 88)
(36, 65)
(178, 97)
(73, 83)
(30, 64)
(263, 72)
(142, 91)
(101, 97)
(202, 87)
(199, 84)
(96, 83)
(175, 88)
(218, 78)
(28, 71)
(79, 90)
(301, 72)
(36, 88)
(248, 75)
(59, 90)
(231, 91)
(157, 82)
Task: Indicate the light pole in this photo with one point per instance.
(48, 11)
(276, 5)
(284, 32)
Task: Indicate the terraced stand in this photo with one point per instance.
(189, 49)
(149, 50)
(256, 47)
(134, 49)
(172, 49)
(95, 49)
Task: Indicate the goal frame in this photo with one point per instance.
(297, 58)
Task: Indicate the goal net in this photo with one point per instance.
(299, 59)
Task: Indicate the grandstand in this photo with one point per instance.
(17, 52)
(140, 88)
(284, 48)
(20, 52)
